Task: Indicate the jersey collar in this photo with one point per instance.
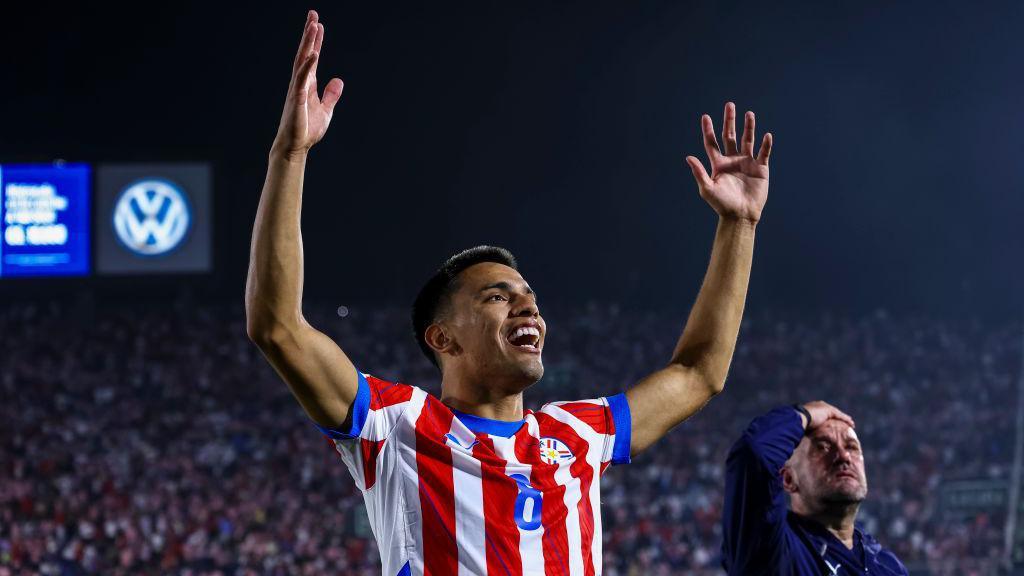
(480, 425)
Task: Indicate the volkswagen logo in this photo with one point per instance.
(151, 217)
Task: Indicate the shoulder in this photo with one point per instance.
(603, 422)
(595, 414)
(885, 557)
(383, 393)
(377, 408)
(888, 559)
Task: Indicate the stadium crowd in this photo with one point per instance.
(145, 440)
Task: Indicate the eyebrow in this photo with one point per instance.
(506, 287)
(827, 438)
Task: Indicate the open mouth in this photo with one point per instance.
(525, 338)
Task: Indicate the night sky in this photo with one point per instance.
(559, 130)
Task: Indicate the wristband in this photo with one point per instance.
(800, 408)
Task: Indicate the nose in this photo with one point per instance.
(843, 456)
(525, 306)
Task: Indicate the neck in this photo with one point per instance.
(836, 518)
(482, 400)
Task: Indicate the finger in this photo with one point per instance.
(729, 129)
(840, 415)
(710, 143)
(332, 92)
(319, 37)
(318, 40)
(766, 149)
(837, 415)
(848, 421)
(747, 143)
(306, 44)
(699, 173)
(301, 88)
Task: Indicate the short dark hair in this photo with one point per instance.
(435, 295)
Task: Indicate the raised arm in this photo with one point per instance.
(318, 373)
(737, 189)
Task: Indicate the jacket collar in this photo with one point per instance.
(820, 538)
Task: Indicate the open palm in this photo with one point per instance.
(306, 116)
(738, 184)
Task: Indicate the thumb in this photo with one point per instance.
(699, 173)
(332, 92)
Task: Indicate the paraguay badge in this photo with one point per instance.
(554, 451)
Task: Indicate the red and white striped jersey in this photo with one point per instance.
(449, 493)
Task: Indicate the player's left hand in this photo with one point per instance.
(738, 185)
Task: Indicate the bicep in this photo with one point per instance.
(319, 374)
(662, 400)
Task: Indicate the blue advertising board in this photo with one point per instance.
(44, 219)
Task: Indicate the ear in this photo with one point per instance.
(440, 340)
(789, 480)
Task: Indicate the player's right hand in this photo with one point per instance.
(306, 116)
(822, 412)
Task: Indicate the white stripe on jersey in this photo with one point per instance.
(531, 542)
(469, 503)
(563, 477)
(405, 442)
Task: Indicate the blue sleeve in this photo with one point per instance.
(623, 420)
(357, 414)
(754, 514)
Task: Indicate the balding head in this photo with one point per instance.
(827, 469)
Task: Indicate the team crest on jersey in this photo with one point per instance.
(553, 451)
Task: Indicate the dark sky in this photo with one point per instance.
(559, 131)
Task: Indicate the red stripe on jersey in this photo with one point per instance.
(579, 469)
(370, 450)
(437, 489)
(597, 416)
(499, 493)
(384, 393)
(553, 511)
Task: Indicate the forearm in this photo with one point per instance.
(706, 345)
(701, 358)
(273, 291)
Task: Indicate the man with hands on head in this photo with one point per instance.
(471, 481)
(810, 452)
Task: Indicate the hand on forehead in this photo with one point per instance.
(836, 428)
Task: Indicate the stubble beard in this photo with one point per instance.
(844, 496)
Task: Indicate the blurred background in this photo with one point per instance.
(141, 432)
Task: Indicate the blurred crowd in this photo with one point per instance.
(157, 440)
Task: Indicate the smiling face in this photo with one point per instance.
(827, 468)
(491, 329)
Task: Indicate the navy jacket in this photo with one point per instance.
(761, 535)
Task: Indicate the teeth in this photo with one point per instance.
(525, 330)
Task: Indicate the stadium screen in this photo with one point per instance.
(44, 219)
